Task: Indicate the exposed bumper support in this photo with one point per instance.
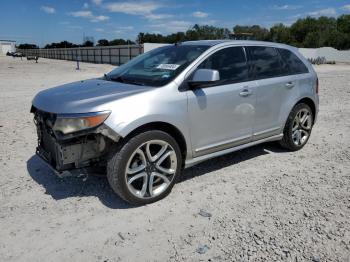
(70, 154)
(66, 173)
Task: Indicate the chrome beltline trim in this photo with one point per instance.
(222, 145)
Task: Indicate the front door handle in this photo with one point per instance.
(290, 84)
(245, 92)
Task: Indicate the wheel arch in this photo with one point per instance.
(165, 127)
(308, 101)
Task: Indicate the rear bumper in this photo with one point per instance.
(317, 105)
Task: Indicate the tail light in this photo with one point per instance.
(316, 85)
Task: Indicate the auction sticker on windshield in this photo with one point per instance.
(168, 66)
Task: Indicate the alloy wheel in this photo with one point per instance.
(151, 169)
(302, 125)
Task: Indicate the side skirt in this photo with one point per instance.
(196, 160)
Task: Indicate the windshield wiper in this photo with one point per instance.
(126, 81)
(133, 82)
(117, 79)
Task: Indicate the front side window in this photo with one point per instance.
(265, 62)
(157, 67)
(231, 64)
(292, 62)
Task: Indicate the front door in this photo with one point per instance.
(222, 116)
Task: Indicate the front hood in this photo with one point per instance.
(83, 96)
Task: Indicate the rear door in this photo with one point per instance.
(274, 88)
(299, 75)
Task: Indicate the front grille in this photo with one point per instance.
(46, 139)
(47, 146)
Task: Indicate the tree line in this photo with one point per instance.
(66, 44)
(307, 32)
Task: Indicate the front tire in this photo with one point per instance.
(298, 128)
(145, 167)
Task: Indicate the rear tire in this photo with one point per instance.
(145, 168)
(298, 127)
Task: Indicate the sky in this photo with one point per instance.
(46, 21)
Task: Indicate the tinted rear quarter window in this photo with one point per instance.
(265, 62)
(292, 62)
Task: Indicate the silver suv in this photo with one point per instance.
(174, 107)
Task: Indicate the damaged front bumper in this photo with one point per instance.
(65, 173)
(72, 154)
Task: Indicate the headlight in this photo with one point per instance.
(77, 122)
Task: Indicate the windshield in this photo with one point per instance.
(157, 67)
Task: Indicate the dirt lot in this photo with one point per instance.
(265, 204)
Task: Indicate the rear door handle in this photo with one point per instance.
(245, 92)
(290, 84)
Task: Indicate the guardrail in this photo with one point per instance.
(115, 55)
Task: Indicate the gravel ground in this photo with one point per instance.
(258, 204)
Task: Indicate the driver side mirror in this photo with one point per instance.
(204, 78)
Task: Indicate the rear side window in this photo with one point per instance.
(265, 62)
(292, 62)
(231, 64)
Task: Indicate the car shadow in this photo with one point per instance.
(223, 161)
(62, 188)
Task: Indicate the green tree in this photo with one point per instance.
(306, 32)
(200, 32)
(121, 41)
(326, 26)
(62, 44)
(259, 33)
(281, 34)
(343, 24)
(27, 46)
(140, 38)
(175, 38)
(197, 32)
(312, 40)
(301, 28)
(102, 42)
(338, 40)
(88, 44)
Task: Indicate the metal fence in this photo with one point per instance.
(115, 55)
